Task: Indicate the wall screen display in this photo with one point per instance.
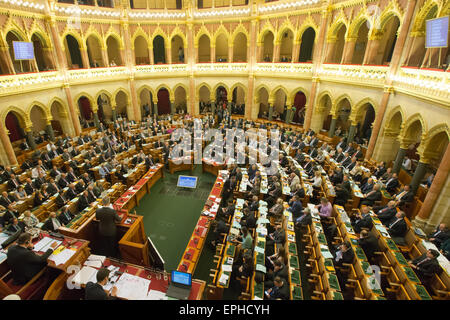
(187, 181)
(23, 50)
(437, 33)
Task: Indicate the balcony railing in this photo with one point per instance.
(357, 74)
(20, 83)
(221, 68)
(160, 69)
(425, 83)
(96, 74)
(288, 69)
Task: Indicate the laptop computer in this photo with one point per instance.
(180, 285)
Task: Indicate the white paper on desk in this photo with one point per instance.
(156, 295)
(259, 249)
(234, 231)
(226, 267)
(223, 279)
(45, 243)
(257, 298)
(260, 267)
(85, 275)
(327, 255)
(96, 257)
(132, 287)
(62, 257)
(93, 263)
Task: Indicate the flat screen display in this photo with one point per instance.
(182, 278)
(187, 182)
(23, 50)
(437, 33)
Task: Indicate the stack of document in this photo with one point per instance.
(132, 287)
(45, 243)
(85, 275)
(61, 257)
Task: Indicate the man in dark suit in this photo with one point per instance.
(55, 172)
(63, 182)
(280, 290)
(52, 188)
(295, 207)
(344, 254)
(108, 218)
(29, 188)
(426, 266)
(16, 226)
(386, 213)
(71, 192)
(369, 243)
(10, 214)
(83, 201)
(6, 199)
(372, 196)
(95, 291)
(65, 216)
(13, 183)
(392, 183)
(364, 220)
(24, 263)
(404, 196)
(440, 235)
(397, 226)
(305, 219)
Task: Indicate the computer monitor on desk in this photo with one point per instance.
(180, 285)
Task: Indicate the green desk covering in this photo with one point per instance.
(354, 241)
(381, 298)
(365, 265)
(258, 290)
(338, 296)
(292, 248)
(391, 244)
(295, 277)
(423, 294)
(261, 244)
(333, 281)
(231, 250)
(410, 274)
(360, 253)
(260, 258)
(401, 258)
(321, 238)
(297, 293)
(293, 262)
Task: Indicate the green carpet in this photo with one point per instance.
(170, 213)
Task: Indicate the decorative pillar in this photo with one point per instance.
(288, 115)
(50, 131)
(229, 107)
(155, 106)
(349, 49)
(168, 54)
(318, 52)
(230, 53)
(134, 100)
(296, 51)
(399, 160)
(96, 121)
(114, 113)
(30, 138)
(260, 53)
(151, 55)
(85, 58)
(418, 176)
(49, 59)
(351, 132)
(213, 104)
(332, 126)
(172, 107)
(435, 191)
(213, 53)
(276, 52)
(270, 110)
(61, 62)
(6, 142)
(373, 45)
(72, 112)
(331, 44)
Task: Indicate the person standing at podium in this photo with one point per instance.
(108, 218)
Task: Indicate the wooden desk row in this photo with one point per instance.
(196, 242)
